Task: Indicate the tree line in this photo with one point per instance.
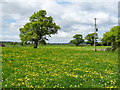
(41, 26)
(109, 38)
(78, 39)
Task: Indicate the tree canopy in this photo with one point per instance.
(38, 28)
(77, 39)
(90, 38)
(112, 36)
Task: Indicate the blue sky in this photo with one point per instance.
(73, 16)
(9, 20)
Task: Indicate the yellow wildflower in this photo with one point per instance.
(31, 86)
(23, 83)
(20, 79)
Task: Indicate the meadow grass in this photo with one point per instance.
(59, 66)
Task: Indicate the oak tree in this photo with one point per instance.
(77, 39)
(39, 27)
(90, 38)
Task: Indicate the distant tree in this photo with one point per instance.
(90, 38)
(77, 39)
(13, 43)
(38, 28)
(113, 37)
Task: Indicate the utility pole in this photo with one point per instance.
(95, 35)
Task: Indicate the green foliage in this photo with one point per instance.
(112, 36)
(90, 38)
(39, 26)
(77, 39)
(58, 67)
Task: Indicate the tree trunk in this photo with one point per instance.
(36, 44)
(77, 44)
(113, 47)
(91, 44)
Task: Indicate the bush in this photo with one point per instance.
(99, 44)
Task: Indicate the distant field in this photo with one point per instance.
(59, 66)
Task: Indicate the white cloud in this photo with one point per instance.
(73, 17)
(62, 34)
(9, 38)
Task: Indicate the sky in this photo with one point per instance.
(73, 16)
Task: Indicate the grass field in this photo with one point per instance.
(58, 66)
